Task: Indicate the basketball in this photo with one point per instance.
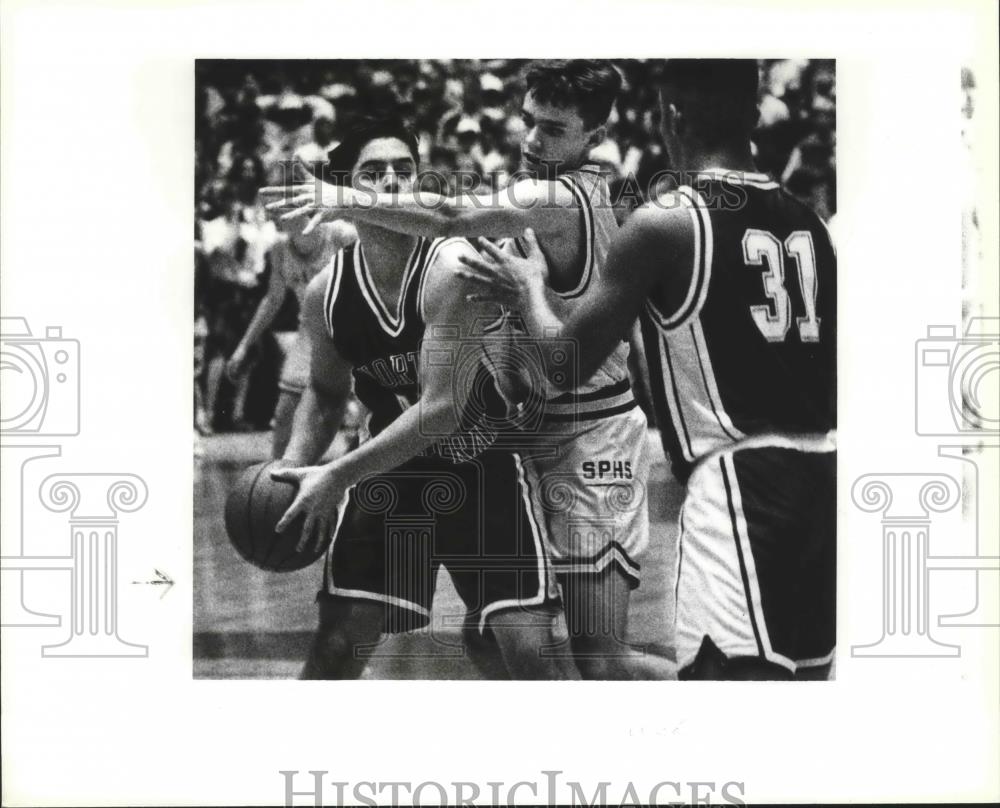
(253, 507)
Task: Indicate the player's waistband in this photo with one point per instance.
(810, 442)
(604, 402)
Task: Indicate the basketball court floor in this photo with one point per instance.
(251, 624)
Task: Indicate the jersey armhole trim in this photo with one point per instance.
(332, 290)
(588, 240)
(701, 271)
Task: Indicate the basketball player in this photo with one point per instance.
(295, 260)
(428, 488)
(592, 455)
(736, 283)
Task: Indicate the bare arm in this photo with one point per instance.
(322, 488)
(267, 309)
(655, 245)
(435, 414)
(323, 403)
(546, 207)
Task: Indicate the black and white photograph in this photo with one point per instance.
(567, 403)
(515, 369)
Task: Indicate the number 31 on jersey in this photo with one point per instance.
(762, 248)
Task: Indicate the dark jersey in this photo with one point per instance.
(753, 347)
(384, 348)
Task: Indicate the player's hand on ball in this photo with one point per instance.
(318, 496)
(505, 278)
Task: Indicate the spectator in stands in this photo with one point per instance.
(251, 116)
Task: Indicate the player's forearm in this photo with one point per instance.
(414, 214)
(432, 215)
(539, 318)
(542, 324)
(314, 426)
(420, 426)
(262, 319)
(592, 344)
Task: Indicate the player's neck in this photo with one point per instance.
(729, 159)
(386, 251)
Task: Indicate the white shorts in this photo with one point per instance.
(591, 496)
(295, 369)
(756, 560)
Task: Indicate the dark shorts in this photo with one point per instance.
(472, 518)
(757, 564)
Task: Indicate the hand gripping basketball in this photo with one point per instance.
(319, 494)
(255, 506)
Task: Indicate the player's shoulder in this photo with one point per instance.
(442, 260)
(658, 238)
(526, 190)
(441, 289)
(796, 208)
(317, 287)
(665, 218)
(314, 303)
(444, 253)
(802, 216)
(340, 233)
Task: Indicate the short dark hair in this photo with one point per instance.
(717, 96)
(341, 158)
(588, 85)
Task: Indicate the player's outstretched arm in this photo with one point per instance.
(654, 247)
(546, 207)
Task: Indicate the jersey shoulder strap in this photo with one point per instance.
(701, 270)
(337, 272)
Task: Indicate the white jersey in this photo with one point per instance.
(599, 227)
(589, 492)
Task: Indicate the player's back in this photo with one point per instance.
(752, 348)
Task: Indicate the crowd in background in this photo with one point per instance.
(253, 118)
